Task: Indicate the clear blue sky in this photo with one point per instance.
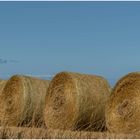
(43, 38)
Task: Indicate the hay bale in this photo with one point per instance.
(123, 108)
(22, 101)
(76, 102)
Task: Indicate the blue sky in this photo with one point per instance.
(43, 38)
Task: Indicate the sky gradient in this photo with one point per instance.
(43, 38)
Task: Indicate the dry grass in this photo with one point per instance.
(22, 101)
(123, 108)
(38, 133)
(76, 102)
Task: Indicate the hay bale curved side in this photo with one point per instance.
(23, 101)
(123, 108)
(76, 102)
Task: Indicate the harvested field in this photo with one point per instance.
(23, 101)
(38, 133)
(123, 108)
(76, 102)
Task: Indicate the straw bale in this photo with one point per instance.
(23, 101)
(76, 102)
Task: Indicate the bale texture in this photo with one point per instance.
(2, 84)
(76, 102)
(23, 101)
(123, 108)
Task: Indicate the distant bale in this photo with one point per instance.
(123, 108)
(2, 84)
(76, 102)
(22, 101)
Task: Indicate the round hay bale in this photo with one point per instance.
(76, 102)
(123, 108)
(23, 101)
